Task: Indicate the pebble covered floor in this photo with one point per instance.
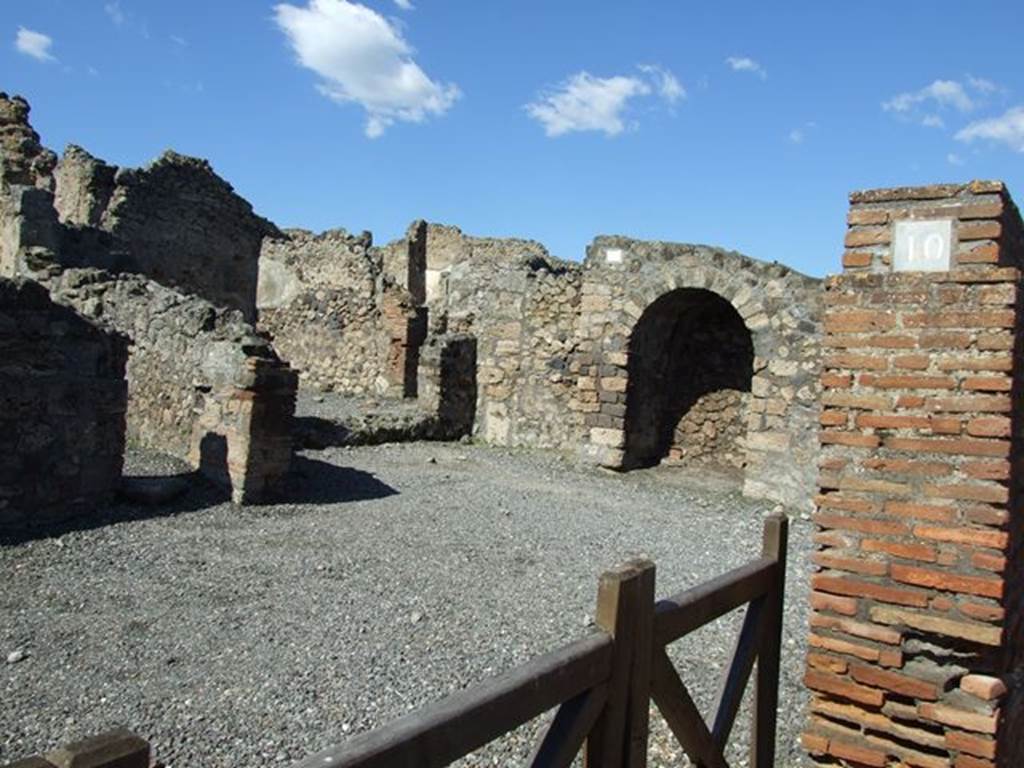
(255, 636)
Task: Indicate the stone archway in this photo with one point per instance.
(691, 364)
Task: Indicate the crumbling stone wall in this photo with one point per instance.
(726, 374)
(916, 634)
(335, 313)
(521, 306)
(175, 221)
(202, 384)
(62, 409)
(28, 225)
(447, 383)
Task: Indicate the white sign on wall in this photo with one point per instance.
(613, 255)
(923, 246)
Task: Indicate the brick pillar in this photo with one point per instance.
(916, 631)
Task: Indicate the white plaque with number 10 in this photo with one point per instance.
(923, 246)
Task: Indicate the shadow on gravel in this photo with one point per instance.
(319, 482)
(136, 500)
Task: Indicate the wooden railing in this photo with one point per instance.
(602, 685)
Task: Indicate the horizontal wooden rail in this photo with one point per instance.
(681, 614)
(441, 733)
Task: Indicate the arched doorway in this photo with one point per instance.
(691, 360)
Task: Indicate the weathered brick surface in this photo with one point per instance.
(918, 515)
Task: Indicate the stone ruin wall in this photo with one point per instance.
(521, 306)
(202, 385)
(62, 409)
(174, 221)
(780, 309)
(553, 341)
(333, 311)
(552, 337)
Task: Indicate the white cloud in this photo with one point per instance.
(933, 121)
(1007, 129)
(34, 44)
(982, 85)
(954, 159)
(745, 64)
(179, 40)
(405, 5)
(113, 10)
(364, 59)
(941, 93)
(669, 87)
(587, 103)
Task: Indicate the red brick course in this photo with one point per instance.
(918, 468)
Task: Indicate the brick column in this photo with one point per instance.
(916, 626)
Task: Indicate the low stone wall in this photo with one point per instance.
(447, 383)
(202, 385)
(336, 316)
(63, 398)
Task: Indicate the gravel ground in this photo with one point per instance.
(253, 637)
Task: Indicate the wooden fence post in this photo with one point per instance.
(625, 610)
(766, 703)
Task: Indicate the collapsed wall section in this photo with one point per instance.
(62, 409)
(916, 634)
(202, 384)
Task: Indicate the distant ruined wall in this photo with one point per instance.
(521, 305)
(735, 355)
(62, 409)
(336, 316)
(174, 221)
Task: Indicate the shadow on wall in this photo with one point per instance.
(687, 344)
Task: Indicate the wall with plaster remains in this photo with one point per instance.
(62, 409)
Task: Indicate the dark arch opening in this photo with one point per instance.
(691, 361)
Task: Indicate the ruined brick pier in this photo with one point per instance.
(916, 633)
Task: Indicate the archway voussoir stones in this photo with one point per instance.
(707, 374)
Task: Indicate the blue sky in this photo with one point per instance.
(735, 124)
